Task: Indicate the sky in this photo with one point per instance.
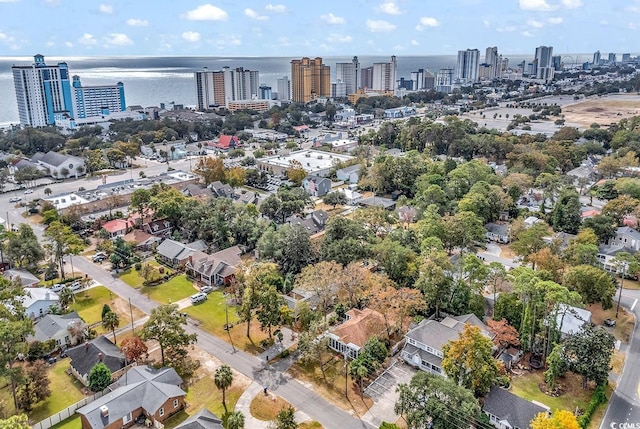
(314, 27)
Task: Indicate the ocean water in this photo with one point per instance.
(149, 81)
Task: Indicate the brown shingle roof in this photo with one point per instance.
(361, 326)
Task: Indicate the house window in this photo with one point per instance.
(126, 419)
(161, 412)
(175, 403)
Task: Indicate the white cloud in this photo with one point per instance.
(428, 21)
(537, 5)
(134, 22)
(9, 1)
(51, 43)
(339, 38)
(284, 41)
(390, 8)
(506, 29)
(632, 8)
(332, 19)
(107, 9)
(527, 34)
(117, 39)
(52, 2)
(572, 4)
(604, 22)
(207, 12)
(277, 8)
(555, 21)
(633, 26)
(68, 44)
(191, 36)
(535, 24)
(255, 15)
(380, 26)
(414, 42)
(87, 40)
(486, 23)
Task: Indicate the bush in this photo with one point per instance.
(598, 397)
(138, 266)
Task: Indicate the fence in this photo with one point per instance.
(67, 412)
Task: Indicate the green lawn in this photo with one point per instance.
(526, 386)
(89, 303)
(211, 314)
(65, 391)
(134, 279)
(174, 290)
(71, 423)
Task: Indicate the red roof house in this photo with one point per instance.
(226, 142)
(116, 228)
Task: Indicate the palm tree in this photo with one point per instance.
(66, 297)
(223, 379)
(47, 191)
(235, 420)
(110, 322)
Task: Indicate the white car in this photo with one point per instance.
(198, 298)
(29, 191)
(14, 199)
(75, 286)
(57, 287)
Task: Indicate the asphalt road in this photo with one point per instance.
(300, 396)
(623, 411)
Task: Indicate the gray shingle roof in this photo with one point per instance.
(436, 334)
(51, 325)
(507, 406)
(350, 169)
(171, 249)
(85, 356)
(26, 278)
(628, 231)
(56, 159)
(205, 419)
(147, 373)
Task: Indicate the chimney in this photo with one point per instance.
(104, 411)
(99, 357)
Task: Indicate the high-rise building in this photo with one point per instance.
(418, 80)
(44, 92)
(338, 89)
(91, 101)
(384, 75)
(349, 74)
(366, 78)
(612, 58)
(429, 80)
(626, 58)
(310, 79)
(467, 66)
(543, 64)
(217, 88)
(556, 62)
(597, 58)
(264, 92)
(444, 80)
(284, 88)
(493, 61)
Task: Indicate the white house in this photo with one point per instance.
(349, 174)
(569, 320)
(626, 240)
(353, 197)
(361, 325)
(65, 330)
(38, 301)
(60, 166)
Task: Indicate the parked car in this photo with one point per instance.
(57, 287)
(610, 322)
(198, 298)
(206, 289)
(99, 257)
(75, 286)
(14, 199)
(29, 191)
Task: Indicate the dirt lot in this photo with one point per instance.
(602, 110)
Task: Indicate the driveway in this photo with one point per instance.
(301, 397)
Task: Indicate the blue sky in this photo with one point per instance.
(320, 27)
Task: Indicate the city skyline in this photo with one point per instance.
(288, 28)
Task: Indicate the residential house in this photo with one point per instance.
(60, 166)
(158, 227)
(585, 173)
(508, 411)
(626, 240)
(569, 320)
(142, 240)
(349, 337)
(205, 419)
(559, 240)
(26, 278)
(531, 220)
(216, 269)
(66, 330)
(87, 355)
(353, 197)
(385, 203)
(423, 347)
(313, 223)
(249, 197)
(221, 190)
(500, 233)
(116, 228)
(225, 143)
(317, 186)
(349, 174)
(173, 253)
(37, 301)
(153, 394)
(194, 190)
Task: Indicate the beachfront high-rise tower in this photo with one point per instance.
(310, 79)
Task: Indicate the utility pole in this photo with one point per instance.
(624, 270)
(133, 331)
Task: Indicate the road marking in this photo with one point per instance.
(635, 301)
